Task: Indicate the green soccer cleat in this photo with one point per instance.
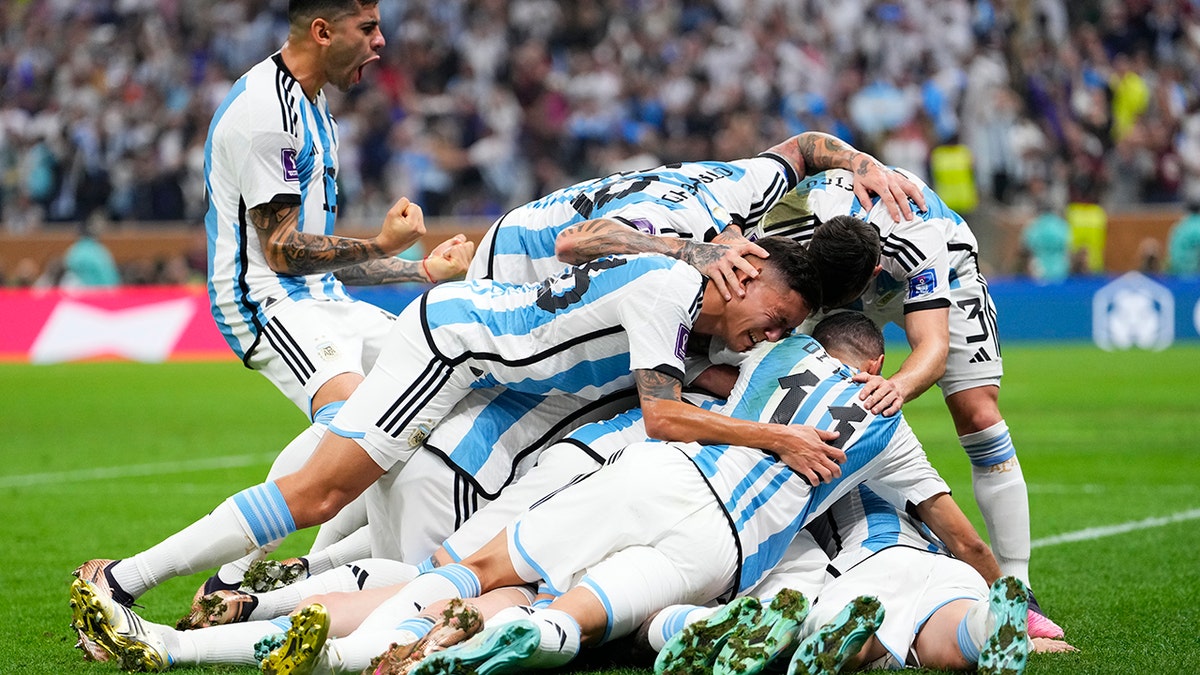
(751, 647)
(826, 651)
(1007, 648)
(302, 644)
(503, 649)
(695, 648)
(116, 630)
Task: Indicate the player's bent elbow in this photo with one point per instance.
(564, 246)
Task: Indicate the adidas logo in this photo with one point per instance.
(980, 356)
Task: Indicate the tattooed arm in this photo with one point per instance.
(668, 418)
(289, 251)
(449, 260)
(597, 238)
(812, 152)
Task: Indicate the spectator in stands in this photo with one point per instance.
(1046, 241)
(88, 262)
(1183, 243)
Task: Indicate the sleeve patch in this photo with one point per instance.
(291, 173)
(681, 341)
(922, 284)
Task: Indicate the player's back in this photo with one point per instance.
(580, 332)
(793, 381)
(267, 142)
(692, 200)
(862, 523)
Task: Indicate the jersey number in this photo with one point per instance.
(572, 284)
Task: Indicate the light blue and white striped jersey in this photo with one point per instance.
(694, 200)
(581, 332)
(922, 258)
(267, 142)
(794, 381)
(862, 523)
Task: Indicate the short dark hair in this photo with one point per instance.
(852, 332)
(303, 12)
(846, 250)
(795, 266)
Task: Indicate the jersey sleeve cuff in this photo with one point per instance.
(940, 303)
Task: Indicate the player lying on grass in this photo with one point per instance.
(596, 329)
(932, 288)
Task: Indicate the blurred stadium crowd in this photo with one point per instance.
(479, 105)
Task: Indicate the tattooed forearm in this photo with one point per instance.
(597, 238)
(383, 271)
(813, 151)
(290, 251)
(653, 385)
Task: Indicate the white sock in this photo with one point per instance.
(240, 524)
(289, 460)
(231, 643)
(560, 639)
(370, 573)
(1002, 496)
(351, 548)
(673, 619)
(443, 583)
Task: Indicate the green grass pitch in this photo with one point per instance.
(105, 459)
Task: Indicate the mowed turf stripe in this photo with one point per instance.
(157, 469)
(1090, 533)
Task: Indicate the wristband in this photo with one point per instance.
(425, 269)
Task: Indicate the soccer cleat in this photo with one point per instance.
(116, 629)
(1007, 648)
(752, 646)
(269, 575)
(218, 609)
(502, 649)
(695, 648)
(459, 621)
(826, 651)
(1040, 625)
(267, 645)
(302, 644)
(99, 573)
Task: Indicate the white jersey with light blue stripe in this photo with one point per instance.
(922, 258)
(795, 382)
(582, 332)
(693, 200)
(862, 523)
(267, 142)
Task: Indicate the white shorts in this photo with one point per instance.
(651, 495)
(802, 569)
(407, 393)
(413, 507)
(584, 451)
(307, 343)
(974, 358)
(910, 584)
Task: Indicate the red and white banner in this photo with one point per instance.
(149, 324)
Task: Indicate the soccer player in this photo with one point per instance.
(694, 211)
(717, 517)
(931, 286)
(276, 268)
(597, 328)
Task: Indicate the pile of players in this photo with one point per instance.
(546, 457)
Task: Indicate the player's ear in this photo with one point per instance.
(319, 29)
(878, 269)
(874, 366)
